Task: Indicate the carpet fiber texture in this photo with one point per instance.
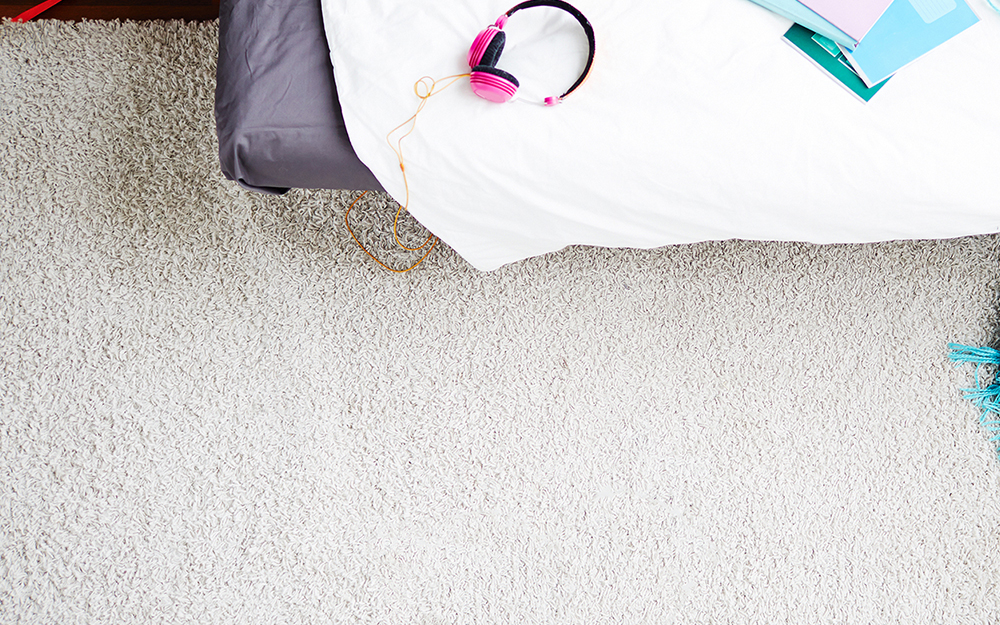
(215, 409)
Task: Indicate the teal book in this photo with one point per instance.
(825, 54)
(801, 14)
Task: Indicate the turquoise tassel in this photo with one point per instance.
(988, 398)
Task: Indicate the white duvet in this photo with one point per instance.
(698, 122)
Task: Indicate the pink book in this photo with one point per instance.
(854, 17)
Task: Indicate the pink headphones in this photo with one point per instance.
(496, 85)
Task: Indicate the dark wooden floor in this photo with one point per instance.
(118, 9)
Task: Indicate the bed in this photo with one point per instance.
(698, 123)
(278, 119)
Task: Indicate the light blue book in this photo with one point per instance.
(906, 31)
(801, 14)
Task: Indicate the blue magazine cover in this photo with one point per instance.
(906, 31)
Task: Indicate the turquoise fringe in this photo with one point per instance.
(988, 398)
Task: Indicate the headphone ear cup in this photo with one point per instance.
(493, 84)
(491, 55)
(486, 49)
(499, 73)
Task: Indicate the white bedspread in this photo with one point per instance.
(698, 123)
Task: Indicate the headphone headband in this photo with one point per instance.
(584, 22)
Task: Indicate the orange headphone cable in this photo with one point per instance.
(430, 90)
(372, 256)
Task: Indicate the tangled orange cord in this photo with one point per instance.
(429, 86)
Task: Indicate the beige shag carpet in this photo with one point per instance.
(215, 409)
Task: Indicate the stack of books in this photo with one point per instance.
(863, 43)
